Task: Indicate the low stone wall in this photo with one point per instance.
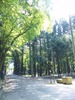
(59, 81)
(65, 80)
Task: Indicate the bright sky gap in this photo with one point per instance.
(63, 8)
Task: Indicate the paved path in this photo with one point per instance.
(20, 88)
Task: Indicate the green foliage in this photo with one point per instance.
(20, 21)
(18, 18)
(50, 52)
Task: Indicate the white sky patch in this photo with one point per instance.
(46, 24)
(10, 68)
(29, 1)
(11, 65)
(62, 8)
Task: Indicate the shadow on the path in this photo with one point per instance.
(11, 83)
(22, 88)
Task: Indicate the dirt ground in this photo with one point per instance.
(21, 88)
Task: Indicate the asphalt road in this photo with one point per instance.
(21, 88)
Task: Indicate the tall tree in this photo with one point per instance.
(19, 19)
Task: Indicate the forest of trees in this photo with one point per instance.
(20, 21)
(47, 52)
(33, 50)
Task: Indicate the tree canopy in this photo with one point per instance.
(20, 21)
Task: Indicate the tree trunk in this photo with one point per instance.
(58, 65)
(16, 62)
(30, 59)
(40, 58)
(34, 59)
(22, 71)
(2, 65)
(68, 67)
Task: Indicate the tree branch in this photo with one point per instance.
(31, 25)
(21, 34)
(11, 31)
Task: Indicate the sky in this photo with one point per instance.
(10, 68)
(58, 8)
(62, 8)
